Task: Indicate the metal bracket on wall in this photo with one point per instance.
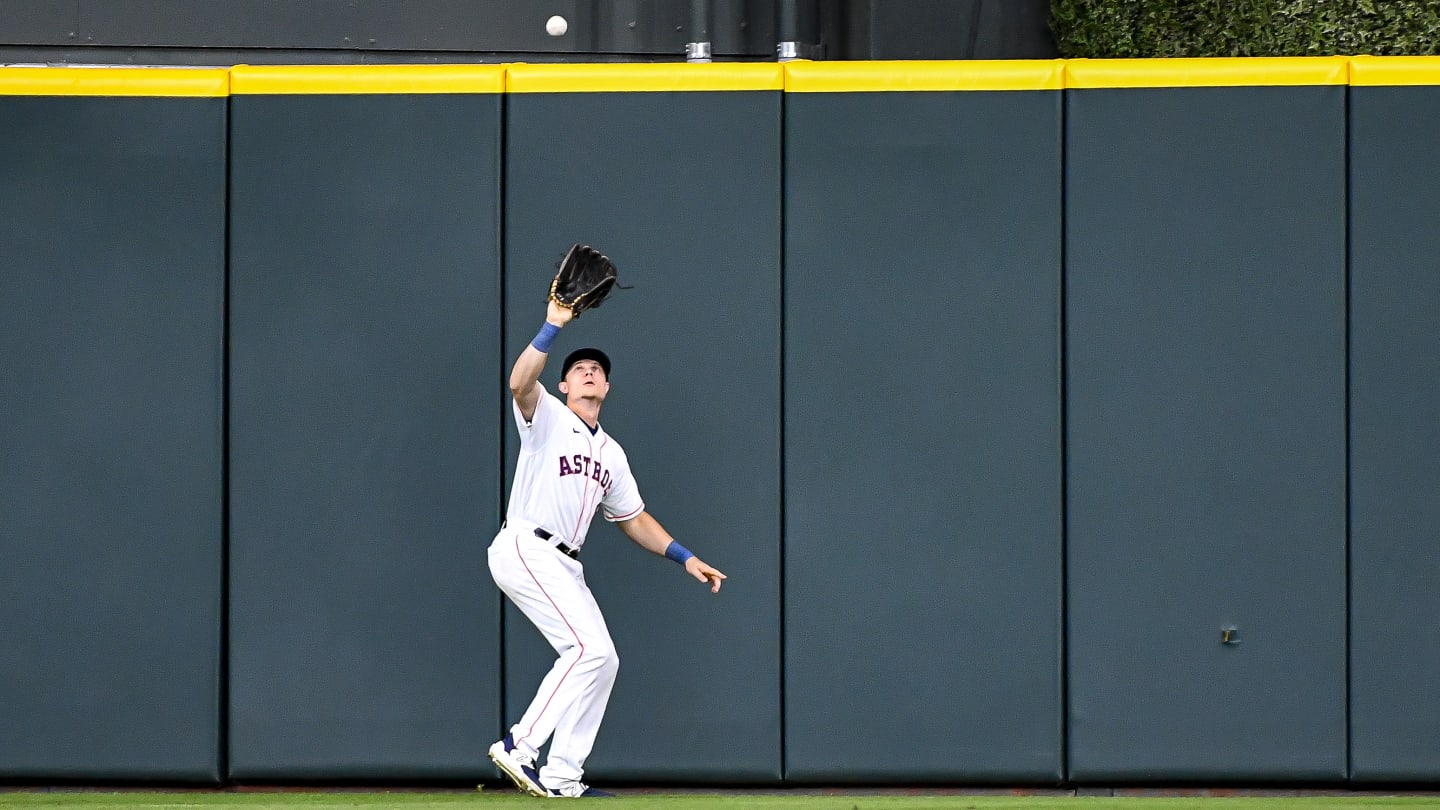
(701, 21)
(790, 51)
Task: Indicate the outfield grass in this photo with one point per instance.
(311, 800)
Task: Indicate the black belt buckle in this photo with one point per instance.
(572, 553)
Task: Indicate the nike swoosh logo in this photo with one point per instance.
(574, 430)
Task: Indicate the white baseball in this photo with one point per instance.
(556, 26)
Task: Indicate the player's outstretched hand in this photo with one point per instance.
(558, 315)
(703, 572)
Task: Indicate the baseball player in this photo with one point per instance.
(568, 467)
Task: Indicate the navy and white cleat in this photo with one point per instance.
(579, 790)
(517, 765)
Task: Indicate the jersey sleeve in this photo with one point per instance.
(548, 413)
(622, 501)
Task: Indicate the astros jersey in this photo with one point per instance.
(564, 473)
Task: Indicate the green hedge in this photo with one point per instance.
(1135, 28)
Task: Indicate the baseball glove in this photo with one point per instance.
(585, 277)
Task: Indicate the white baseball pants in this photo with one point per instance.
(550, 589)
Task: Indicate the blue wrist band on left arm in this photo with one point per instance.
(545, 337)
(677, 552)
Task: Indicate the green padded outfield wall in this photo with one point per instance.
(1394, 432)
(674, 171)
(112, 251)
(364, 421)
(1020, 578)
(1205, 422)
(922, 422)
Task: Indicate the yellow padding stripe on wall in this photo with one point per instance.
(639, 78)
(924, 76)
(1376, 71)
(794, 77)
(113, 81)
(1220, 72)
(363, 79)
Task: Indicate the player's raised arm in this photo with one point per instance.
(647, 532)
(531, 362)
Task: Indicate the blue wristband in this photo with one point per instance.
(677, 552)
(545, 337)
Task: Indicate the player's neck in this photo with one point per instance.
(589, 412)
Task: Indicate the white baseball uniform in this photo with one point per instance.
(564, 473)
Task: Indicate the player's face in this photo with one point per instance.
(586, 380)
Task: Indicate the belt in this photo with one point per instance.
(572, 553)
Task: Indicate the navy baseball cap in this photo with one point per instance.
(587, 353)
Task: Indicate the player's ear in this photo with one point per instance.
(563, 386)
